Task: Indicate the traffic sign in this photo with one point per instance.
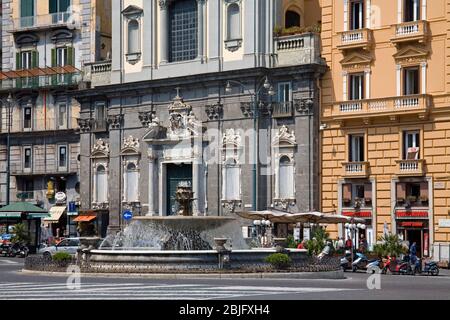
(127, 215)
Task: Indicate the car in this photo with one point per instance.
(69, 245)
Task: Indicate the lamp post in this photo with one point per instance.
(352, 227)
(255, 113)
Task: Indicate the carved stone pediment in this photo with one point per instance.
(284, 137)
(130, 145)
(357, 60)
(231, 138)
(411, 54)
(100, 148)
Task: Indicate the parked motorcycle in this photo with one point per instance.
(5, 248)
(374, 266)
(429, 267)
(360, 262)
(18, 250)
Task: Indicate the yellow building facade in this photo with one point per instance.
(385, 133)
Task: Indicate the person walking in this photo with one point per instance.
(348, 244)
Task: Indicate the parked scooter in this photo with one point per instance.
(346, 261)
(429, 267)
(5, 248)
(360, 262)
(374, 266)
(398, 267)
(18, 250)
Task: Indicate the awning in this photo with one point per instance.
(56, 213)
(10, 214)
(84, 218)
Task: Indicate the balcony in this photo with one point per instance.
(355, 169)
(42, 22)
(410, 31)
(408, 168)
(393, 106)
(99, 125)
(282, 109)
(41, 168)
(98, 73)
(298, 49)
(39, 78)
(40, 125)
(355, 39)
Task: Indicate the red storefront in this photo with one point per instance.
(413, 226)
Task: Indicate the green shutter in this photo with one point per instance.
(54, 57)
(53, 6)
(71, 56)
(18, 61)
(34, 59)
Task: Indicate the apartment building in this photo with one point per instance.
(45, 45)
(385, 143)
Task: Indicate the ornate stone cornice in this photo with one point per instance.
(146, 118)
(284, 203)
(304, 106)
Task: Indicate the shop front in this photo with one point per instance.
(57, 221)
(92, 223)
(361, 230)
(413, 226)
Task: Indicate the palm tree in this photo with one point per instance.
(20, 233)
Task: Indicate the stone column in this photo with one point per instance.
(196, 181)
(164, 30)
(151, 183)
(200, 12)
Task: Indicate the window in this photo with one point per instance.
(231, 180)
(27, 157)
(100, 116)
(357, 194)
(62, 116)
(63, 56)
(411, 145)
(131, 183)
(101, 185)
(412, 194)
(62, 157)
(58, 9)
(411, 10)
(27, 118)
(234, 22)
(286, 178)
(27, 60)
(356, 15)
(356, 148)
(411, 81)
(27, 13)
(183, 30)
(356, 86)
(284, 92)
(292, 19)
(133, 37)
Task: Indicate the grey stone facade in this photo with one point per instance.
(182, 113)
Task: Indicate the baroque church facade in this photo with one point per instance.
(218, 95)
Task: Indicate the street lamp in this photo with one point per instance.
(8, 102)
(255, 112)
(352, 227)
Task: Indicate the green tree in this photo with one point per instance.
(389, 245)
(20, 233)
(318, 241)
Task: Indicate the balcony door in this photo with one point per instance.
(411, 10)
(356, 86)
(27, 12)
(411, 145)
(62, 116)
(411, 81)
(27, 118)
(356, 14)
(356, 148)
(58, 10)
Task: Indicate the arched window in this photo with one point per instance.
(234, 22)
(231, 180)
(183, 30)
(292, 19)
(101, 185)
(133, 37)
(286, 178)
(131, 183)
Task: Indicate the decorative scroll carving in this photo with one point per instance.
(214, 111)
(283, 136)
(85, 124)
(115, 121)
(100, 146)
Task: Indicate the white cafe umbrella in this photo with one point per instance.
(271, 215)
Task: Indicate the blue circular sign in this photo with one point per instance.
(127, 215)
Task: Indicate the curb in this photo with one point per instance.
(330, 275)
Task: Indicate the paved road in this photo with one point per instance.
(16, 285)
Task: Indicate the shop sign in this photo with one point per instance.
(444, 223)
(411, 224)
(439, 185)
(72, 209)
(412, 214)
(358, 214)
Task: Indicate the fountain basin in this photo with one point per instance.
(154, 261)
